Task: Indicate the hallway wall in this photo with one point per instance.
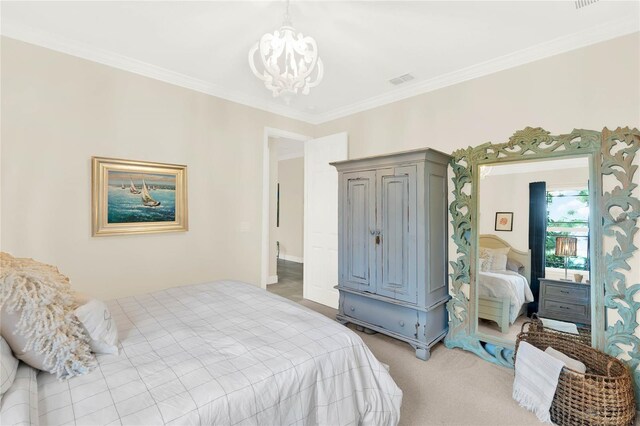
(290, 233)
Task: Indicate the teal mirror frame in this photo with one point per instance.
(615, 215)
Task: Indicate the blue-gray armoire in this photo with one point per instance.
(392, 226)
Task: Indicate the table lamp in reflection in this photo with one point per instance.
(566, 247)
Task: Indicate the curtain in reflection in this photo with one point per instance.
(537, 236)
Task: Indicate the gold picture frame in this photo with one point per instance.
(137, 197)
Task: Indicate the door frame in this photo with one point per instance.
(270, 132)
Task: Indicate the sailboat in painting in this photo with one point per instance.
(146, 198)
(133, 188)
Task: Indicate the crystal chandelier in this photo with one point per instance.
(289, 62)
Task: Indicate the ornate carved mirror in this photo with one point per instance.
(545, 225)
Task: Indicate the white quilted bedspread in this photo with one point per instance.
(506, 284)
(225, 353)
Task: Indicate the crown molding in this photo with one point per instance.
(592, 35)
(82, 50)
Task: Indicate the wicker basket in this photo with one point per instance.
(583, 336)
(602, 396)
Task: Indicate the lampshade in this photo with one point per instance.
(566, 246)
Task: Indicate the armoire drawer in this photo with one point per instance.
(391, 317)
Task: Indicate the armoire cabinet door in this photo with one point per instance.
(397, 257)
(358, 231)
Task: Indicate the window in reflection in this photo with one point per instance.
(568, 216)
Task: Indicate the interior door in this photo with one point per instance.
(397, 247)
(321, 217)
(358, 236)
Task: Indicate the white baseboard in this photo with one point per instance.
(292, 258)
(273, 279)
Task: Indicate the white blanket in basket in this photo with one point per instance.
(536, 380)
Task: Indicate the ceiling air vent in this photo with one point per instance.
(582, 3)
(402, 79)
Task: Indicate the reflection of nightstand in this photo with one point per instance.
(565, 301)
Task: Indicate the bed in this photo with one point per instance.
(503, 296)
(219, 353)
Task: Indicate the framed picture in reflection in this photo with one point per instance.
(504, 221)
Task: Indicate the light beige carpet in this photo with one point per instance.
(454, 387)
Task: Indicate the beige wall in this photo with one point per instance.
(58, 111)
(291, 230)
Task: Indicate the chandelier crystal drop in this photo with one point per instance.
(288, 61)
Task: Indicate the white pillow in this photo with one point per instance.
(101, 328)
(37, 318)
(484, 259)
(493, 259)
(499, 263)
(8, 367)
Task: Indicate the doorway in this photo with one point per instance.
(320, 215)
(286, 217)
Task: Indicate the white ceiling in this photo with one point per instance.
(204, 45)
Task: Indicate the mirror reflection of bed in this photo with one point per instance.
(503, 295)
(533, 251)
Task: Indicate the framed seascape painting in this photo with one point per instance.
(136, 197)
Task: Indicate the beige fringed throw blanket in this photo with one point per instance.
(536, 380)
(38, 318)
